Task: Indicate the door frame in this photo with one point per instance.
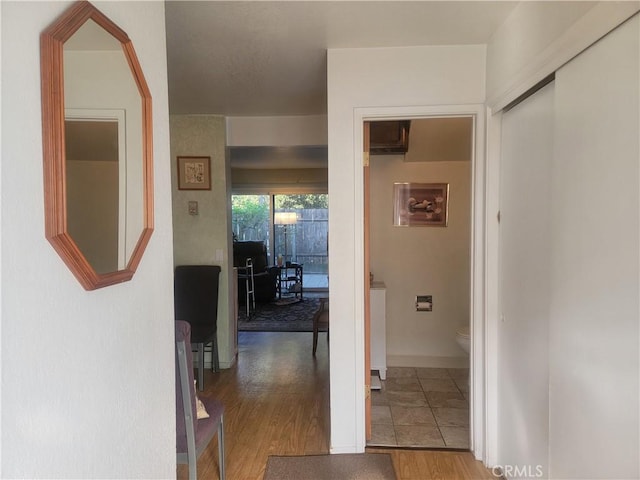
(481, 285)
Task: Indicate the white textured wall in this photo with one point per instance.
(422, 261)
(87, 377)
(416, 76)
(196, 238)
(595, 284)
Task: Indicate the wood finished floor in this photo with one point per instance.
(276, 403)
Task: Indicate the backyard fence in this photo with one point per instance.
(307, 240)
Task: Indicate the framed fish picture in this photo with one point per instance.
(420, 204)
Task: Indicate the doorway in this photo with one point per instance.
(420, 231)
(479, 275)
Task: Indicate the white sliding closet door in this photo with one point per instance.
(594, 315)
(525, 218)
(569, 339)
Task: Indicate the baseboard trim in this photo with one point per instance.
(208, 363)
(422, 361)
(344, 449)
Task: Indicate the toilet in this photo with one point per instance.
(463, 338)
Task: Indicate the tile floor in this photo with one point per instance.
(421, 407)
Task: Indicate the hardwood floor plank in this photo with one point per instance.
(277, 403)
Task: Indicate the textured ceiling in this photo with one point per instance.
(269, 58)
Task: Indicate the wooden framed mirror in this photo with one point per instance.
(97, 147)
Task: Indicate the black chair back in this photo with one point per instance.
(196, 296)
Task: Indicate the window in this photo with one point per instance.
(250, 219)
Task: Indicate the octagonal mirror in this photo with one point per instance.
(97, 151)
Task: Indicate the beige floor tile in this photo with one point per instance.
(447, 399)
(419, 436)
(432, 373)
(462, 384)
(458, 372)
(455, 437)
(381, 415)
(451, 417)
(394, 372)
(402, 384)
(413, 416)
(379, 398)
(407, 399)
(422, 407)
(383, 435)
(438, 385)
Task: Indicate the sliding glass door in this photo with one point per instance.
(298, 225)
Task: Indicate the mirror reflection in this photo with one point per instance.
(103, 149)
(93, 203)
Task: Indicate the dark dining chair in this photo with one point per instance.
(194, 434)
(196, 302)
(320, 317)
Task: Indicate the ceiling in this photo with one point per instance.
(262, 58)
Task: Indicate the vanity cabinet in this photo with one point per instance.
(378, 328)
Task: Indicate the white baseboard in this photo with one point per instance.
(208, 362)
(421, 361)
(344, 449)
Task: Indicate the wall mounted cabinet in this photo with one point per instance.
(390, 137)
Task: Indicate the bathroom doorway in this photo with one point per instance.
(420, 252)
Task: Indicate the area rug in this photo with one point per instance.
(361, 466)
(270, 317)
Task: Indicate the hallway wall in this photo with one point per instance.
(412, 77)
(206, 238)
(87, 376)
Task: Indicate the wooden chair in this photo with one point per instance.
(321, 317)
(193, 435)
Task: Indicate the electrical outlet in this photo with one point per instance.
(424, 303)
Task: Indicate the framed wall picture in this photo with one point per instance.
(194, 173)
(420, 204)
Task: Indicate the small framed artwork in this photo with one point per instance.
(420, 204)
(194, 173)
